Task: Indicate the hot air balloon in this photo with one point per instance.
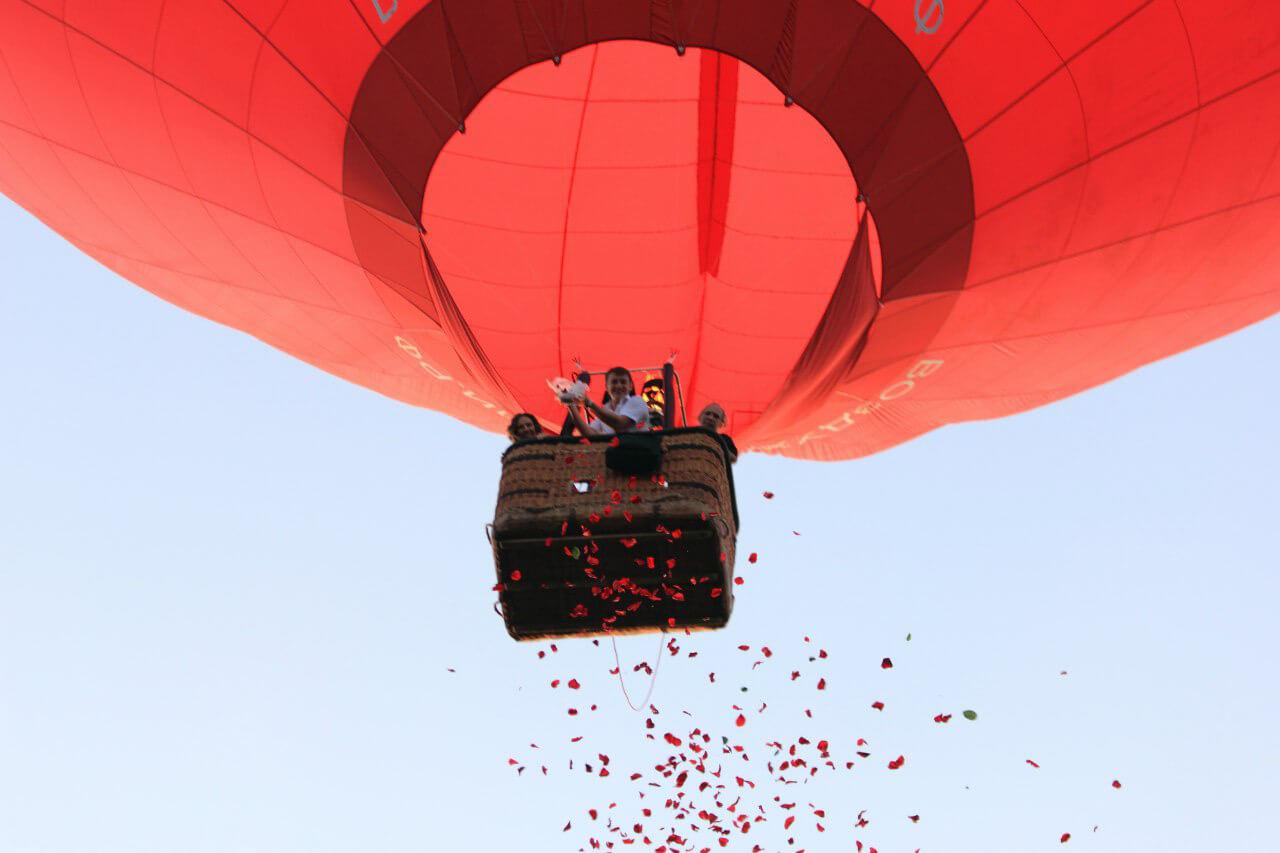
(853, 221)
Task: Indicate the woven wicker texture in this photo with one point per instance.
(538, 485)
(556, 496)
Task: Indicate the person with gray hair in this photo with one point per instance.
(712, 418)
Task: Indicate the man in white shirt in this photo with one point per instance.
(622, 412)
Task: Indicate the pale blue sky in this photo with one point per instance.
(230, 587)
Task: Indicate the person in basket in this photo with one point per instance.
(712, 417)
(622, 410)
(523, 427)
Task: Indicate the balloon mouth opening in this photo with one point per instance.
(664, 134)
(630, 192)
(632, 199)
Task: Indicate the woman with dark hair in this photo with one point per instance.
(622, 410)
(523, 427)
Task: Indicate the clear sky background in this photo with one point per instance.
(231, 587)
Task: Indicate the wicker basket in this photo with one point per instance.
(583, 550)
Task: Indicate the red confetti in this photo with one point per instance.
(1115, 783)
(1033, 764)
(768, 496)
(886, 664)
(741, 721)
(879, 706)
(897, 762)
(822, 684)
(515, 575)
(738, 581)
(754, 556)
(1066, 836)
(572, 684)
(914, 818)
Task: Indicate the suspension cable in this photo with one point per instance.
(653, 679)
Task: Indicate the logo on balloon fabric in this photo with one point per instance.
(923, 18)
(386, 16)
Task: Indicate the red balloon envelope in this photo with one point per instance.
(854, 222)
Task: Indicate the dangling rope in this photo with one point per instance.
(653, 679)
